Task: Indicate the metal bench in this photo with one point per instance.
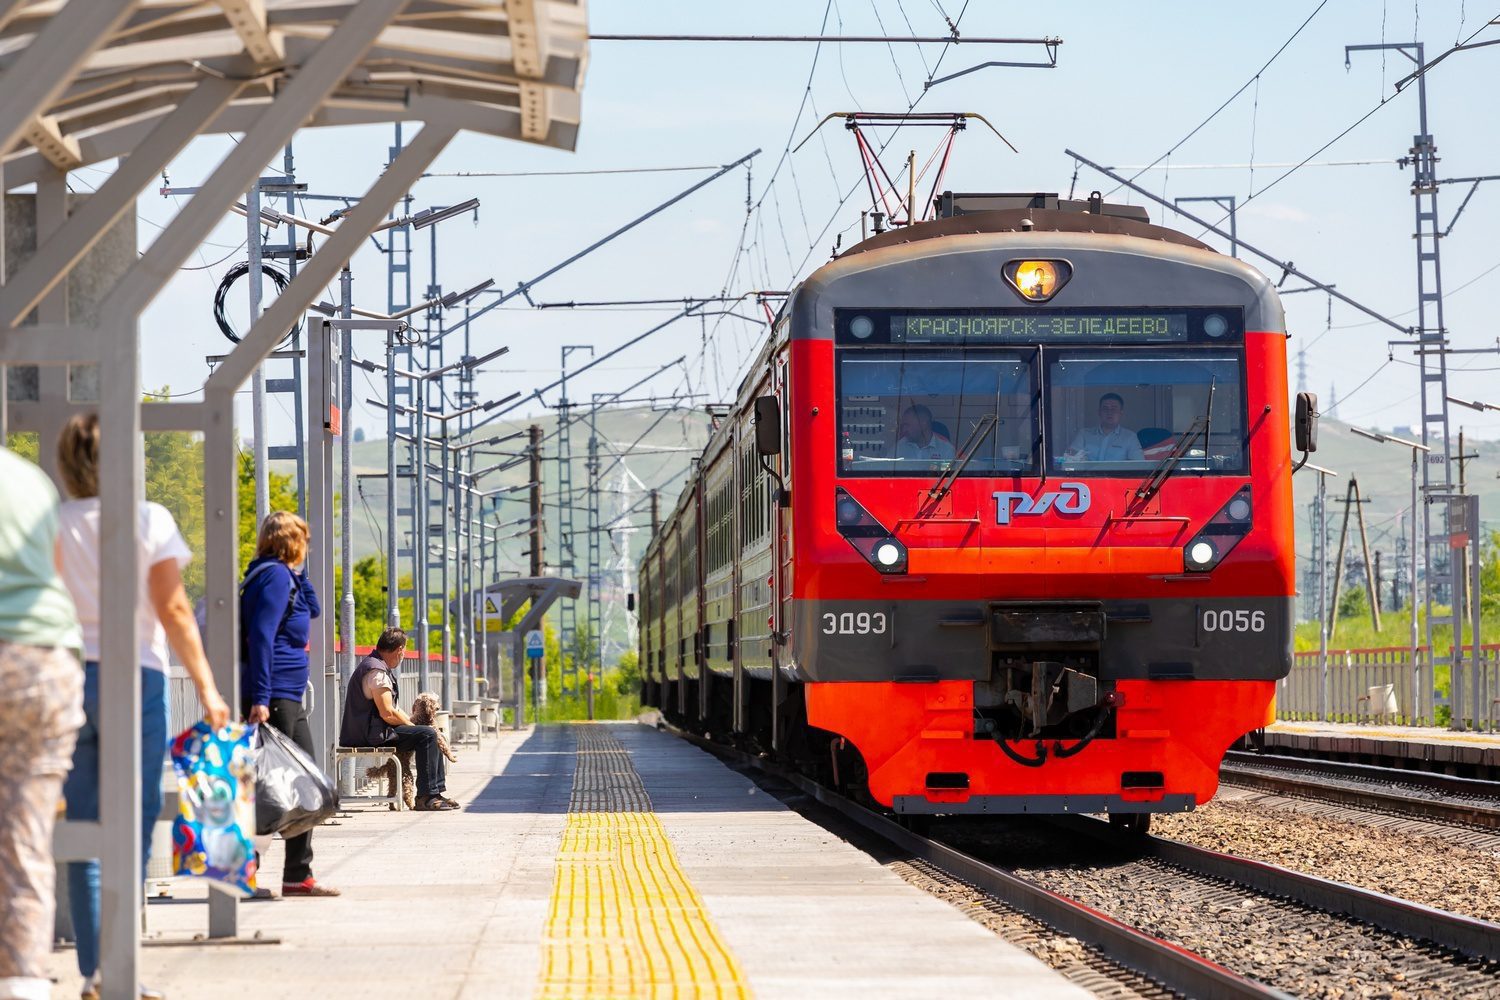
(370, 757)
(466, 723)
(489, 714)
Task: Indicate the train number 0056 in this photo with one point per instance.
(1233, 621)
(854, 623)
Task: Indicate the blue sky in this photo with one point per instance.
(1132, 80)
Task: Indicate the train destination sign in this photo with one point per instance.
(937, 328)
(1038, 326)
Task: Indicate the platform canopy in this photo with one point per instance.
(508, 68)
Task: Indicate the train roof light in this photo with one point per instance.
(1037, 280)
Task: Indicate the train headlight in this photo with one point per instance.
(1221, 534)
(1037, 280)
(1200, 554)
(861, 327)
(1215, 325)
(868, 536)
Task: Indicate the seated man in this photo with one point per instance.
(371, 719)
(917, 442)
(1109, 441)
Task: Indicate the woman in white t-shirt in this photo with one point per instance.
(163, 615)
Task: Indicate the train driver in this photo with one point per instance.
(918, 442)
(1110, 441)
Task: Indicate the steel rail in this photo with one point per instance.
(1477, 787)
(1469, 813)
(1171, 965)
(1466, 935)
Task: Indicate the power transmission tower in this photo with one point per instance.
(1432, 346)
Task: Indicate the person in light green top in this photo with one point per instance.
(35, 607)
(41, 710)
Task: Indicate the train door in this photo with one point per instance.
(781, 557)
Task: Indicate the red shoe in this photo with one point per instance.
(308, 887)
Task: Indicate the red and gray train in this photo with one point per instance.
(1000, 521)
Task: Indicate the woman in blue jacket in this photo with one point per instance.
(277, 606)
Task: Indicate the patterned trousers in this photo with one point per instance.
(41, 708)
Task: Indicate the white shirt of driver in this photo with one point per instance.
(937, 449)
(157, 539)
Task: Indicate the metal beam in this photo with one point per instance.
(49, 344)
(535, 111)
(319, 76)
(49, 61)
(248, 18)
(121, 481)
(325, 264)
(8, 10)
(59, 150)
(525, 37)
(95, 216)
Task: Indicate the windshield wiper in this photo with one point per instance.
(1168, 465)
(957, 463)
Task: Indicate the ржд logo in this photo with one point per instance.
(1069, 498)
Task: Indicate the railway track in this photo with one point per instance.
(1085, 886)
(1438, 797)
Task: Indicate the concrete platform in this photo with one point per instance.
(604, 860)
(1472, 754)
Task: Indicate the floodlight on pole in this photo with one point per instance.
(1391, 438)
(489, 441)
(1476, 404)
(432, 216)
(268, 216)
(467, 363)
(458, 298)
(499, 402)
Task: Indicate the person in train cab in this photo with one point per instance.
(373, 718)
(1110, 440)
(917, 440)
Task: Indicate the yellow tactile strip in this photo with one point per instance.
(624, 920)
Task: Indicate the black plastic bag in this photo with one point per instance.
(291, 795)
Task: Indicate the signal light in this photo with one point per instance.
(1037, 280)
(869, 537)
(1221, 534)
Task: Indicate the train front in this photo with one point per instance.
(1042, 526)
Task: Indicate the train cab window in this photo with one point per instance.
(909, 414)
(1126, 411)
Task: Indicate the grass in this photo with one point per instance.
(1357, 631)
(616, 697)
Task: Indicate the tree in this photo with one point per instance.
(1354, 603)
(1489, 574)
(628, 668)
(24, 444)
(282, 498)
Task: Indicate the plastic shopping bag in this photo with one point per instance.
(215, 805)
(291, 795)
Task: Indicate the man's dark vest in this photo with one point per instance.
(362, 725)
